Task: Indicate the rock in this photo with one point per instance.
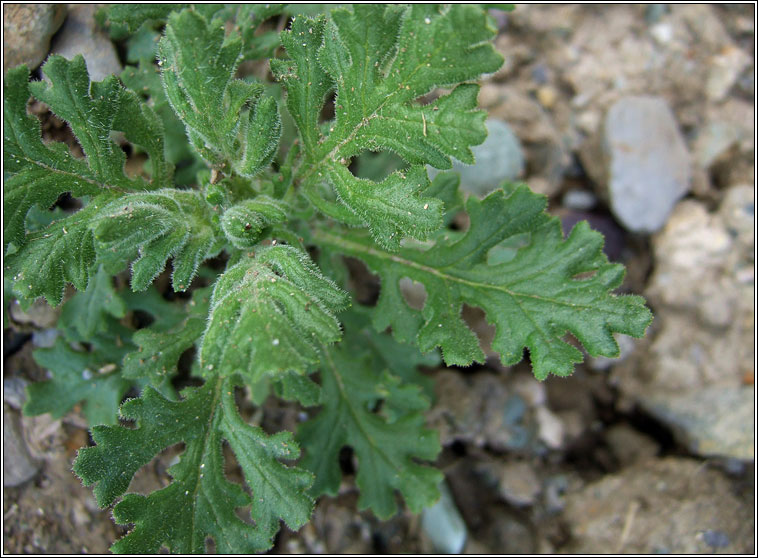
(14, 391)
(18, 464)
(39, 314)
(724, 69)
(714, 421)
(702, 355)
(580, 200)
(485, 409)
(27, 29)
(519, 484)
(498, 159)
(81, 35)
(443, 524)
(628, 445)
(647, 166)
(661, 505)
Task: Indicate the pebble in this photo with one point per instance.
(80, 34)
(581, 200)
(660, 504)
(14, 391)
(519, 484)
(18, 464)
(498, 159)
(724, 70)
(27, 29)
(648, 166)
(443, 525)
(716, 421)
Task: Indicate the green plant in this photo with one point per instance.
(269, 198)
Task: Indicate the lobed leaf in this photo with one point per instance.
(379, 60)
(268, 315)
(532, 296)
(153, 227)
(199, 502)
(91, 378)
(354, 379)
(227, 121)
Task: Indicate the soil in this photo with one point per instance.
(584, 468)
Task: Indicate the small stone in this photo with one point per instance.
(80, 34)
(18, 464)
(547, 96)
(716, 539)
(27, 29)
(581, 200)
(519, 484)
(443, 525)
(713, 421)
(724, 70)
(648, 166)
(551, 430)
(628, 445)
(39, 314)
(14, 391)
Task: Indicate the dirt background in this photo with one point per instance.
(653, 453)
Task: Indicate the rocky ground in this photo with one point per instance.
(637, 118)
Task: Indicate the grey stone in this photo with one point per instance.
(27, 29)
(724, 69)
(14, 391)
(628, 445)
(498, 159)
(647, 163)
(713, 421)
(18, 464)
(660, 504)
(519, 484)
(443, 525)
(81, 35)
(581, 200)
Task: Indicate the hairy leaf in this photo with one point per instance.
(92, 378)
(88, 311)
(386, 444)
(200, 502)
(227, 121)
(244, 222)
(533, 299)
(160, 347)
(153, 227)
(379, 59)
(268, 314)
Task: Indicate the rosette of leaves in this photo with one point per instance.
(239, 237)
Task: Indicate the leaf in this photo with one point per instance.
(387, 444)
(533, 299)
(78, 376)
(198, 76)
(159, 349)
(379, 60)
(153, 227)
(244, 223)
(268, 315)
(37, 174)
(134, 15)
(200, 502)
(63, 251)
(88, 311)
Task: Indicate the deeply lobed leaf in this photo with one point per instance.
(355, 377)
(378, 60)
(268, 314)
(200, 502)
(532, 297)
(227, 121)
